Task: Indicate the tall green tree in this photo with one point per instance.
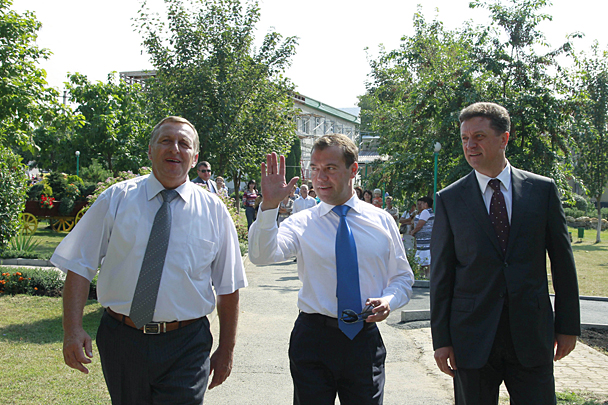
(209, 72)
(416, 92)
(590, 125)
(116, 126)
(23, 92)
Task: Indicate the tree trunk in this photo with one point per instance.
(598, 238)
(236, 179)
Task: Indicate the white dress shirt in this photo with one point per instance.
(505, 187)
(384, 271)
(301, 204)
(203, 248)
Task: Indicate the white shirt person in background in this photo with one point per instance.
(202, 252)
(304, 202)
(324, 361)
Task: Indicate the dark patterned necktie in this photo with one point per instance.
(347, 268)
(146, 291)
(498, 215)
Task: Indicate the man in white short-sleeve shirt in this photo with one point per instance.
(168, 360)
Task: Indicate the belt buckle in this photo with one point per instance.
(155, 328)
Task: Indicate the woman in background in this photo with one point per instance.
(249, 197)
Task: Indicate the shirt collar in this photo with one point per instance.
(504, 177)
(153, 187)
(354, 203)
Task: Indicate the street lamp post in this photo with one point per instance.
(436, 149)
(78, 161)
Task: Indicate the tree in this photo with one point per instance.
(590, 126)
(13, 184)
(417, 91)
(209, 73)
(23, 92)
(116, 126)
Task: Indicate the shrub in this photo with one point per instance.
(35, 192)
(15, 283)
(13, 189)
(580, 202)
(43, 282)
(77, 181)
(95, 172)
(15, 254)
(574, 213)
(24, 243)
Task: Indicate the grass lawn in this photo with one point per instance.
(33, 371)
(48, 238)
(591, 263)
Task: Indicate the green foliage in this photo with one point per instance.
(116, 125)
(415, 94)
(23, 95)
(77, 181)
(95, 172)
(20, 254)
(209, 72)
(292, 160)
(574, 212)
(13, 189)
(58, 184)
(23, 243)
(35, 191)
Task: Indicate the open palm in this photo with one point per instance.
(274, 186)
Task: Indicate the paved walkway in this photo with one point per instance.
(261, 369)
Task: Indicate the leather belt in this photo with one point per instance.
(328, 321)
(152, 328)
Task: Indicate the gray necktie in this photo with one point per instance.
(146, 291)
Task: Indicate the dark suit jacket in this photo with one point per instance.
(470, 278)
(212, 186)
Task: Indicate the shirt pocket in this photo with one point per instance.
(200, 253)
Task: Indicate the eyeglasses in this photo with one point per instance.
(349, 316)
(204, 171)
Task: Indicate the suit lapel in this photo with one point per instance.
(471, 195)
(520, 200)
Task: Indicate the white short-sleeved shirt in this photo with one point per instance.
(203, 252)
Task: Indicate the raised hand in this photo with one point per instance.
(274, 187)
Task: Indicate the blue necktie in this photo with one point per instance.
(347, 266)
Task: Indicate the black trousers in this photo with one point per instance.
(323, 362)
(526, 385)
(169, 368)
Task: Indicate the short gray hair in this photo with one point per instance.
(179, 120)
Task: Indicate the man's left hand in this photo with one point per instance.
(381, 309)
(565, 344)
(221, 366)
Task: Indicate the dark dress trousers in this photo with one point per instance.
(472, 281)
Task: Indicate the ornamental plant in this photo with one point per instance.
(14, 283)
(47, 202)
(13, 187)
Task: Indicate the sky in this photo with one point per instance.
(331, 65)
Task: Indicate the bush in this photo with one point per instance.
(43, 282)
(35, 191)
(574, 213)
(16, 254)
(13, 189)
(95, 172)
(580, 202)
(77, 181)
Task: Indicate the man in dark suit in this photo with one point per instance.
(491, 316)
(203, 170)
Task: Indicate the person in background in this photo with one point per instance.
(285, 209)
(203, 170)
(392, 210)
(422, 232)
(304, 202)
(367, 196)
(406, 225)
(249, 197)
(292, 194)
(359, 192)
(313, 194)
(221, 187)
(154, 339)
(377, 199)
